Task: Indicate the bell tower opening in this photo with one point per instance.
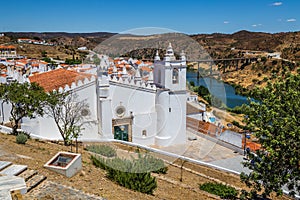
(175, 73)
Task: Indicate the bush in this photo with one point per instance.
(192, 83)
(265, 79)
(223, 191)
(151, 164)
(103, 150)
(21, 138)
(98, 162)
(128, 173)
(235, 123)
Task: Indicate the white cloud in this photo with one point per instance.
(226, 22)
(277, 4)
(255, 25)
(291, 20)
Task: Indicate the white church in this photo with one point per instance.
(123, 106)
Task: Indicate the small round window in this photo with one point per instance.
(85, 112)
(120, 111)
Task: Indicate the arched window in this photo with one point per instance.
(144, 133)
(175, 78)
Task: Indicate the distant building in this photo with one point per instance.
(25, 40)
(82, 48)
(8, 51)
(276, 55)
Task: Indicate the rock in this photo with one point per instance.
(82, 173)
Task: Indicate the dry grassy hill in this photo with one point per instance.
(93, 180)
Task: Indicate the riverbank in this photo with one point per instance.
(219, 89)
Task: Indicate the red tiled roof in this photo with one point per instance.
(7, 47)
(144, 68)
(138, 62)
(57, 78)
(11, 47)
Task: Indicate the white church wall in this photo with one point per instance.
(43, 127)
(135, 100)
(162, 108)
(139, 103)
(46, 128)
(106, 118)
(159, 73)
(171, 127)
(178, 114)
(5, 111)
(87, 92)
(144, 128)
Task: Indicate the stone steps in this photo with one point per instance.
(34, 181)
(11, 183)
(5, 195)
(28, 174)
(13, 170)
(4, 164)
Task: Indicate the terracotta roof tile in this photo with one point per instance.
(58, 78)
(144, 68)
(7, 47)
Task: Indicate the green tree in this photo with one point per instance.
(275, 120)
(263, 59)
(44, 54)
(68, 114)
(26, 100)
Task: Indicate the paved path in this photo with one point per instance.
(233, 163)
(201, 149)
(51, 190)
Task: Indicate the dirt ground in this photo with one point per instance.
(92, 180)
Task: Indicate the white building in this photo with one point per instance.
(276, 55)
(123, 106)
(8, 51)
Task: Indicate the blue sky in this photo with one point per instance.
(187, 16)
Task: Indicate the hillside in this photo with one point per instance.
(218, 45)
(65, 44)
(215, 46)
(94, 181)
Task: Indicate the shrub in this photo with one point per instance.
(192, 83)
(151, 164)
(238, 109)
(236, 123)
(21, 138)
(103, 150)
(223, 191)
(98, 162)
(127, 173)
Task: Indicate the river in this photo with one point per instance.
(221, 90)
